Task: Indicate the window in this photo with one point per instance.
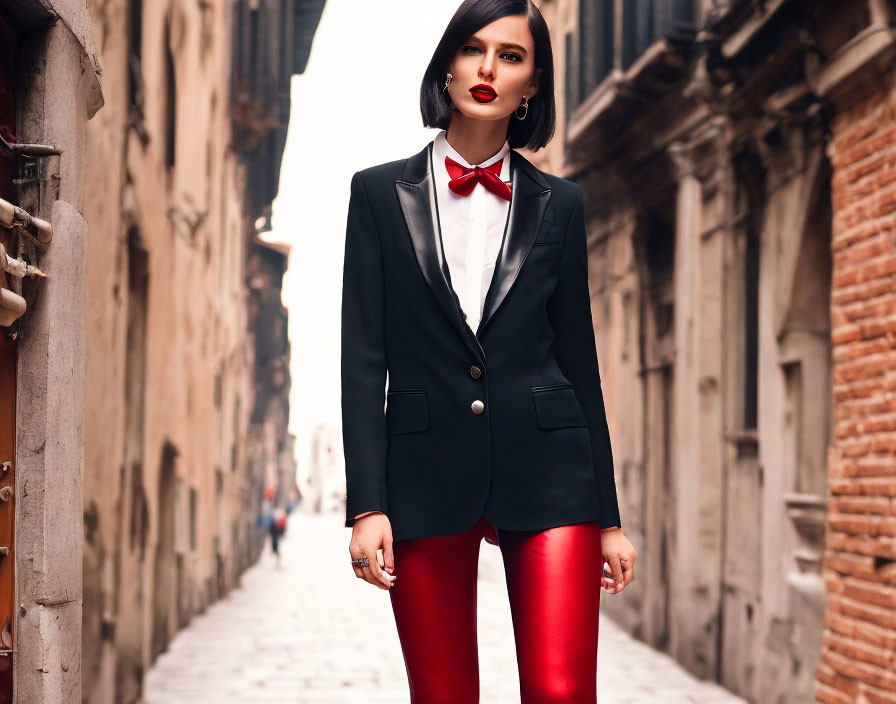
(171, 101)
(646, 21)
(595, 44)
(571, 84)
(194, 497)
(676, 19)
(638, 28)
(135, 55)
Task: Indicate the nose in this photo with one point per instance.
(487, 67)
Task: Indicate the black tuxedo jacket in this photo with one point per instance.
(507, 421)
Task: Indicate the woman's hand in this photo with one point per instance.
(620, 554)
(372, 538)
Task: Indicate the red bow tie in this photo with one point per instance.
(464, 180)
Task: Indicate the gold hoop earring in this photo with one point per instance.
(525, 106)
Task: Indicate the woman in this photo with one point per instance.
(466, 280)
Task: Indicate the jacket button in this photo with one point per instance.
(477, 406)
(475, 372)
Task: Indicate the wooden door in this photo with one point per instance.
(7, 388)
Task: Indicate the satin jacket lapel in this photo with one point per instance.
(529, 199)
(416, 193)
(530, 193)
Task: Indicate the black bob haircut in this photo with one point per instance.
(435, 106)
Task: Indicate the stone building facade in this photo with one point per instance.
(738, 160)
(144, 363)
(50, 87)
(859, 655)
(187, 354)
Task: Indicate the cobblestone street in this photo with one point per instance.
(310, 631)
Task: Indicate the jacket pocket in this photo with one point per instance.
(406, 411)
(556, 406)
(550, 234)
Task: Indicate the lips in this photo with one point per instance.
(483, 93)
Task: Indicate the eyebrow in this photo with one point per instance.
(504, 45)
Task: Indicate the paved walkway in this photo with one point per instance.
(309, 631)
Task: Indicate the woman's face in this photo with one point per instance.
(500, 56)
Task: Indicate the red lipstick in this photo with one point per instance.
(483, 93)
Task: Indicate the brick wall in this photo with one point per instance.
(858, 661)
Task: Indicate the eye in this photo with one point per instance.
(513, 57)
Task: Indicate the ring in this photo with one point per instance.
(361, 562)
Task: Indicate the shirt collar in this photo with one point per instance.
(441, 148)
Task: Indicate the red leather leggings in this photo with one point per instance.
(553, 582)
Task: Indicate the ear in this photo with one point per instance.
(534, 82)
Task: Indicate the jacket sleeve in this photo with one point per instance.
(569, 310)
(363, 362)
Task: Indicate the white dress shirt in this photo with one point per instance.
(472, 227)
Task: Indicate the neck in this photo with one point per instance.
(476, 140)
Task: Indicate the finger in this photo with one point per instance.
(628, 569)
(606, 577)
(377, 565)
(381, 564)
(616, 568)
(389, 557)
(368, 574)
(360, 571)
(355, 568)
(609, 583)
(352, 556)
(381, 559)
(372, 572)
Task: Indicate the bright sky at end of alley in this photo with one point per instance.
(356, 105)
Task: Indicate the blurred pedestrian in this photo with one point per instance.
(272, 519)
(277, 529)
